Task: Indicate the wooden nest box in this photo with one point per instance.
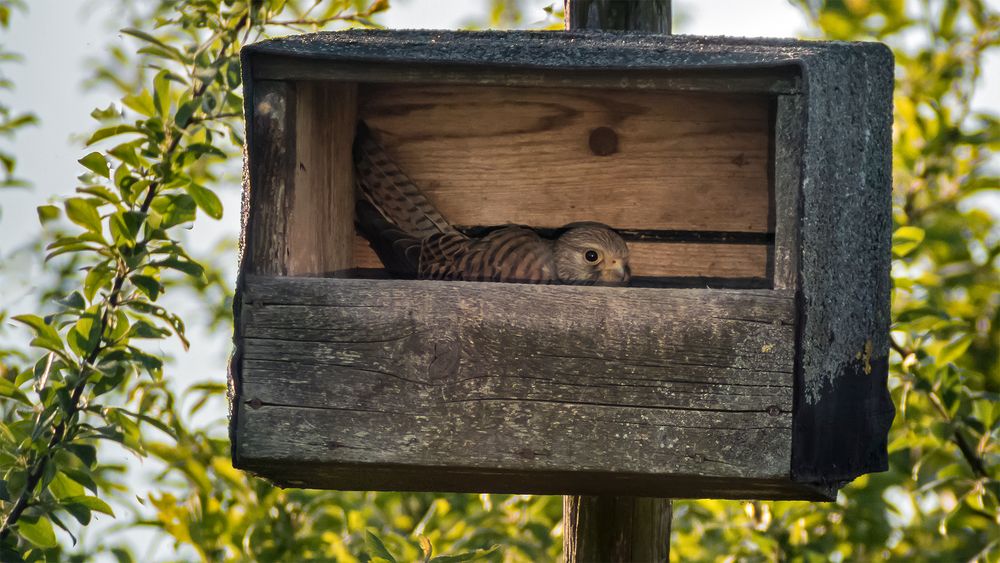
(747, 360)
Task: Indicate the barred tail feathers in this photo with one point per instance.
(381, 182)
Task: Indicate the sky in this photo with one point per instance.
(57, 38)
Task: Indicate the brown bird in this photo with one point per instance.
(413, 239)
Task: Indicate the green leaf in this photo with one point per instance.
(167, 50)
(148, 285)
(85, 452)
(45, 336)
(9, 390)
(175, 209)
(143, 329)
(82, 478)
(74, 300)
(206, 200)
(93, 503)
(183, 116)
(112, 131)
(80, 512)
(62, 487)
(39, 532)
(71, 248)
(190, 268)
(126, 152)
(953, 350)
(161, 93)
(100, 192)
(96, 163)
(376, 548)
(83, 212)
(47, 213)
(109, 112)
(125, 226)
(201, 149)
(141, 103)
(906, 239)
(150, 363)
(98, 277)
(233, 78)
(84, 337)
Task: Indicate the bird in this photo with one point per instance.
(414, 240)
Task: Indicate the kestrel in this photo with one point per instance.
(414, 240)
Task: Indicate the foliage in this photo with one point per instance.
(90, 379)
(940, 499)
(512, 14)
(93, 381)
(10, 120)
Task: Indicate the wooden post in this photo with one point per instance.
(606, 528)
(619, 15)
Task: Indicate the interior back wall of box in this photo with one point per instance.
(685, 176)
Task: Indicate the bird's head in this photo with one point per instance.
(591, 253)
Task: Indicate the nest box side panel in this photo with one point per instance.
(843, 407)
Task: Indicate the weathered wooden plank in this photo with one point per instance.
(758, 80)
(271, 166)
(408, 373)
(789, 122)
(321, 222)
(651, 259)
(451, 479)
(683, 161)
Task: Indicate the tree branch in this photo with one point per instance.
(111, 305)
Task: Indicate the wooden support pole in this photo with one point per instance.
(619, 15)
(606, 528)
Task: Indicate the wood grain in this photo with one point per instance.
(322, 212)
(610, 15)
(489, 156)
(616, 529)
(788, 146)
(270, 169)
(508, 378)
(774, 80)
(652, 259)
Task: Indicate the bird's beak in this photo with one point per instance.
(615, 272)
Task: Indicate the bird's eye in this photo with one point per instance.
(591, 256)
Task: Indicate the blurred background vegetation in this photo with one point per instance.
(84, 378)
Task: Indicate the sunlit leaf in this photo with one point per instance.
(38, 532)
(206, 199)
(83, 212)
(96, 163)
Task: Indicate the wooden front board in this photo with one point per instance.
(372, 382)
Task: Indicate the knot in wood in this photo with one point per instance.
(444, 360)
(603, 141)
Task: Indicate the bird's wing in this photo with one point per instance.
(398, 251)
(381, 182)
(510, 254)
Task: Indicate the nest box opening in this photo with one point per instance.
(686, 177)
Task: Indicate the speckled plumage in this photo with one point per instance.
(413, 239)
